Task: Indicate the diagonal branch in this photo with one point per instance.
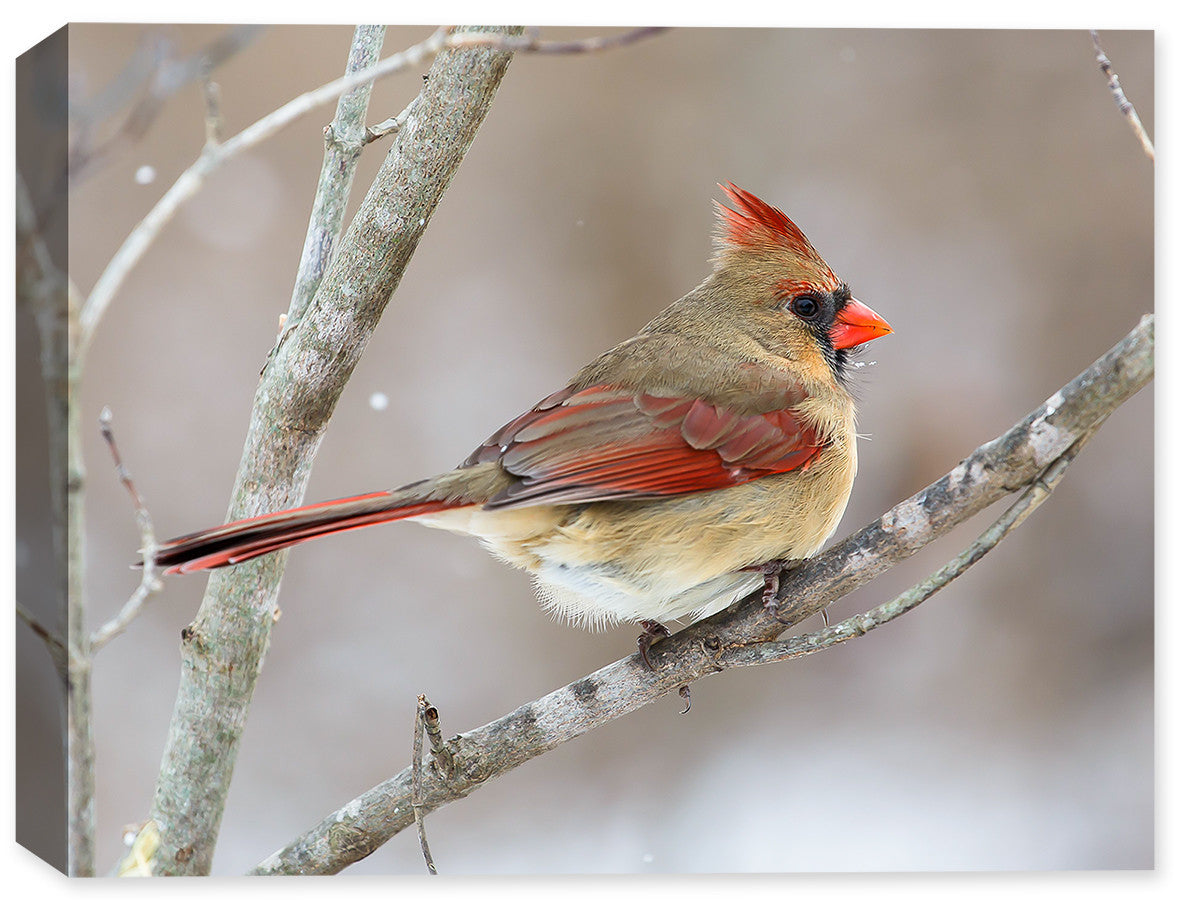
(1127, 109)
(856, 626)
(1033, 450)
(344, 140)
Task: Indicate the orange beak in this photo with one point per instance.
(856, 324)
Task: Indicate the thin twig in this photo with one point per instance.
(443, 757)
(417, 805)
(1123, 104)
(29, 237)
(54, 644)
(739, 655)
(389, 126)
(528, 44)
(531, 43)
(150, 583)
(123, 475)
(212, 107)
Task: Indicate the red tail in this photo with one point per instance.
(228, 545)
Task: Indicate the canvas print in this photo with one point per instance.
(779, 403)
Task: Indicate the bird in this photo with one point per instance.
(675, 474)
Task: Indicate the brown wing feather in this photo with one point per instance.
(606, 442)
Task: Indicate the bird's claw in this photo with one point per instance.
(770, 591)
(652, 631)
(686, 693)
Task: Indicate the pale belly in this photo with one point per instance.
(624, 561)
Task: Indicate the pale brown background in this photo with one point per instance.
(979, 189)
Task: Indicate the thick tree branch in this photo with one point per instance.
(1028, 452)
(224, 646)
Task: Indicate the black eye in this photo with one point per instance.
(806, 306)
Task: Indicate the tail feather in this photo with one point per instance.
(228, 545)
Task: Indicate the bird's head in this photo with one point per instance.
(784, 295)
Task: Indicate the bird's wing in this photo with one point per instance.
(605, 442)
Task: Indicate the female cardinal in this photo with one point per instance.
(675, 473)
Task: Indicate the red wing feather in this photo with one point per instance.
(609, 443)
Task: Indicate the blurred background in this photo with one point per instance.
(978, 188)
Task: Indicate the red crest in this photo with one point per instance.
(759, 226)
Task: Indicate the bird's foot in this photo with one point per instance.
(770, 573)
(652, 631)
(686, 693)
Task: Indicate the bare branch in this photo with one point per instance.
(1123, 104)
(388, 126)
(443, 759)
(531, 43)
(139, 505)
(419, 728)
(58, 649)
(150, 583)
(1025, 454)
(212, 108)
(344, 140)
